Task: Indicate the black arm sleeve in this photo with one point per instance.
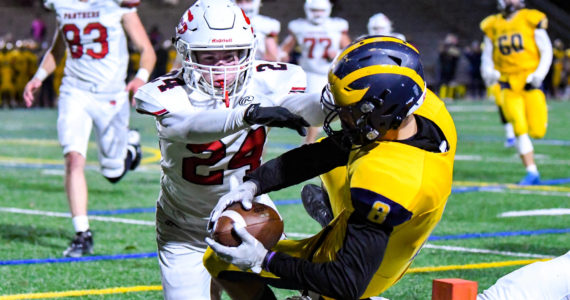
(348, 275)
(298, 165)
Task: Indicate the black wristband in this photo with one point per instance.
(266, 260)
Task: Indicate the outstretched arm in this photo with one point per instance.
(48, 64)
(137, 34)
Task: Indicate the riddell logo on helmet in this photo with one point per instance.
(228, 40)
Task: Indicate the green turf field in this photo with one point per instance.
(34, 229)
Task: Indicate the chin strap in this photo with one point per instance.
(227, 98)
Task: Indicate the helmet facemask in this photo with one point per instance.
(220, 81)
(216, 28)
(367, 120)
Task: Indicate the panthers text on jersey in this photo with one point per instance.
(514, 46)
(316, 40)
(264, 27)
(97, 54)
(202, 144)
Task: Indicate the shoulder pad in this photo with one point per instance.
(296, 25)
(535, 18)
(128, 3)
(340, 23)
(487, 23)
(278, 79)
(151, 98)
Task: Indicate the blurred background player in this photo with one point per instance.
(448, 58)
(384, 199)
(266, 30)
(93, 93)
(320, 39)
(7, 73)
(517, 53)
(211, 117)
(555, 84)
(379, 24)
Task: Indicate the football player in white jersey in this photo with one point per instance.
(539, 280)
(93, 93)
(320, 38)
(266, 30)
(210, 118)
(379, 24)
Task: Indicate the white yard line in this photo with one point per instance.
(486, 251)
(529, 192)
(537, 212)
(67, 215)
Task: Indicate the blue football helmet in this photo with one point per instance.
(374, 84)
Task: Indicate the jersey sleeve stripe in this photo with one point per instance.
(160, 112)
(297, 90)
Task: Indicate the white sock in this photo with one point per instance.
(80, 223)
(532, 169)
(523, 144)
(509, 131)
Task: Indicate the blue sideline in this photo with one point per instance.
(153, 254)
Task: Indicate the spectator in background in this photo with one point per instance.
(94, 94)
(472, 53)
(320, 38)
(266, 30)
(38, 29)
(162, 56)
(557, 69)
(448, 58)
(155, 36)
(379, 24)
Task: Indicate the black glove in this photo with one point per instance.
(275, 116)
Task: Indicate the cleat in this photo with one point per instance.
(81, 244)
(134, 146)
(531, 178)
(317, 204)
(510, 142)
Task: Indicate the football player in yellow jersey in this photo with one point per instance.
(517, 53)
(387, 172)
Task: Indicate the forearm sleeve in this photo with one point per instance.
(348, 275)
(487, 64)
(545, 47)
(307, 106)
(201, 127)
(298, 165)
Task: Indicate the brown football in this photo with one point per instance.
(261, 221)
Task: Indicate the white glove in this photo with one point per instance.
(248, 255)
(244, 193)
(491, 77)
(534, 80)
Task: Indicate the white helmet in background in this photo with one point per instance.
(318, 11)
(379, 24)
(211, 25)
(250, 7)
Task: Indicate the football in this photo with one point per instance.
(261, 221)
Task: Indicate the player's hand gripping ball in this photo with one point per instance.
(261, 221)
